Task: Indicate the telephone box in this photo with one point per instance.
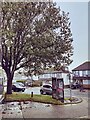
(58, 89)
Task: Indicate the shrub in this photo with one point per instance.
(37, 83)
(22, 81)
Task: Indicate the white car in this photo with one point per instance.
(46, 89)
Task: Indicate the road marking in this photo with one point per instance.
(85, 117)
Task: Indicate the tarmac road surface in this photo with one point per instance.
(39, 110)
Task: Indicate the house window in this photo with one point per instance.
(84, 73)
(88, 72)
(74, 73)
(53, 75)
(77, 73)
(80, 73)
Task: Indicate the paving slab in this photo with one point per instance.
(11, 110)
(0, 111)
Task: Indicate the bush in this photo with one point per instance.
(22, 81)
(37, 83)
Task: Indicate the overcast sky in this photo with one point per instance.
(78, 13)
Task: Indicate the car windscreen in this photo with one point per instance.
(19, 84)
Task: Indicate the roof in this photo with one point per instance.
(82, 67)
(55, 72)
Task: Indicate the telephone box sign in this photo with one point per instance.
(58, 89)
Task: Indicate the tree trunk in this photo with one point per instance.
(9, 83)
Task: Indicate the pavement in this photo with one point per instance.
(74, 109)
(74, 101)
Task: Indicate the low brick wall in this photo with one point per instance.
(66, 86)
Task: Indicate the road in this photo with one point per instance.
(39, 110)
(35, 90)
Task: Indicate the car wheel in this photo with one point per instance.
(23, 90)
(14, 90)
(41, 91)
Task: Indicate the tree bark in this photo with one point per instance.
(9, 83)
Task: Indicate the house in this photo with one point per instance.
(82, 74)
(47, 76)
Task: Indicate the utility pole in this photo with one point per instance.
(70, 85)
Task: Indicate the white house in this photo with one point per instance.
(47, 76)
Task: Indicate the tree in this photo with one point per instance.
(34, 36)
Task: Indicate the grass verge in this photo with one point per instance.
(36, 98)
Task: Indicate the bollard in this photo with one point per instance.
(31, 94)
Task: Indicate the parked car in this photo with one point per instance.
(16, 87)
(46, 89)
(75, 85)
(28, 83)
